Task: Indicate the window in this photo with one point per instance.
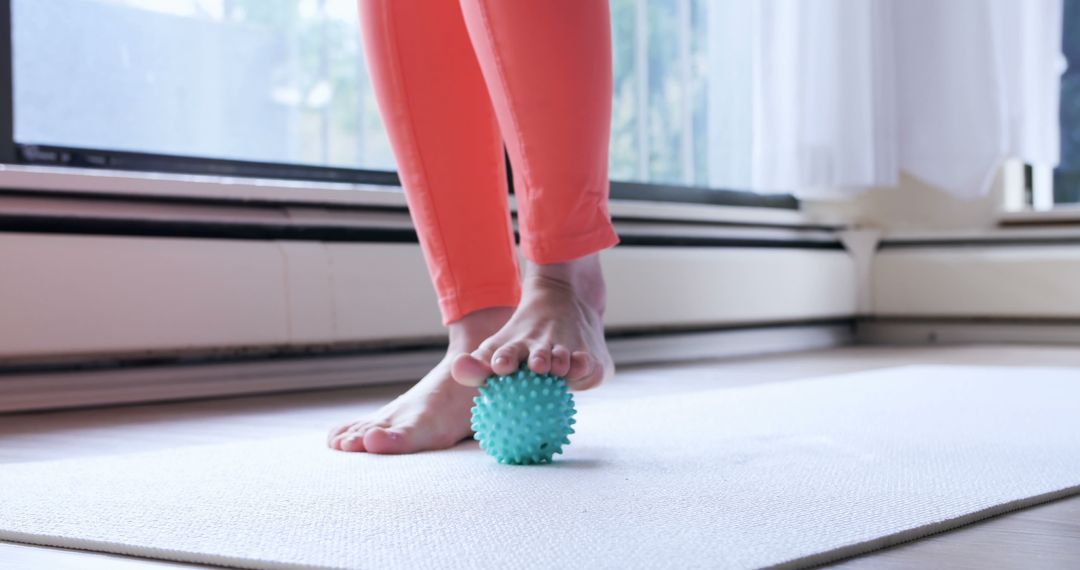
(255, 80)
(658, 118)
(1042, 187)
(1066, 177)
(257, 87)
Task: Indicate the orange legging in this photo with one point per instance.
(454, 80)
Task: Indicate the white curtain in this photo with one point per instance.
(827, 97)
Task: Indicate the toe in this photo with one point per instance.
(469, 370)
(354, 434)
(580, 365)
(508, 358)
(585, 372)
(334, 433)
(486, 350)
(350, 441)
(560, 360)
(388, 441)
(540, 359)
(338, 434)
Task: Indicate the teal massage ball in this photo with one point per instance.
(524, 417)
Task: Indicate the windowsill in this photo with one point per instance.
(1059, 215)
(168, 186)
(1004, 235)
(90, 182)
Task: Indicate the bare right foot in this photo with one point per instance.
(557, 328)
(433, 414)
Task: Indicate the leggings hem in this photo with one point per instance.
(546, 251)
(456, 306)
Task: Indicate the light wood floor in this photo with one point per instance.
(1046, 536)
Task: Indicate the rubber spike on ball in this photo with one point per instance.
(523, 418)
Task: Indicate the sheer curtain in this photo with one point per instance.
(826, 97)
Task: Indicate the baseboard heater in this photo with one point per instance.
(242, 298)
(149, 379)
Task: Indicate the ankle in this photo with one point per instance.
(470, 330)
(583, 277)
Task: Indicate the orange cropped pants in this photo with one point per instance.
(455, 80)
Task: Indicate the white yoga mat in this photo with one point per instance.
(787, 474)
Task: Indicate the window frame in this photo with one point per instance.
(13, 152)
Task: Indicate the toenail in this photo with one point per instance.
(500, 360)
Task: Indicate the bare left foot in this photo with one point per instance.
(433, 414)
(557, 328)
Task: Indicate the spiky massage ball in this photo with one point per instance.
(524, 417)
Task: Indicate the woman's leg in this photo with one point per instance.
(548, 69)
(449, 151)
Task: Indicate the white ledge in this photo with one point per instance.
(1059, 215)
(91, 182)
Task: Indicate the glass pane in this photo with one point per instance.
(1067, 174)
(283, 81)
(681, 94)
(264, 80)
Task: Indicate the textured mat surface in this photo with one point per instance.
(789, 474)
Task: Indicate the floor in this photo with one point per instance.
(1046, 536)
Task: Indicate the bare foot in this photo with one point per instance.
(557, 328)
(433, 414)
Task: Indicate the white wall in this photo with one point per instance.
(79, 295)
